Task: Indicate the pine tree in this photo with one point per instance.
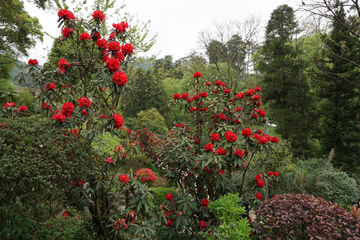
(285, 89)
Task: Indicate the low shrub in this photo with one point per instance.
(301, 216)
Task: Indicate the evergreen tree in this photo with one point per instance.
(340, 106)
(285, 89)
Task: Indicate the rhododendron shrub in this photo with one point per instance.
(223, 122)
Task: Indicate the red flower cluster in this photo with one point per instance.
(67, 108)
(208, 84)
(120, 78)
(7, 104)
(84, 102)
(33, 62)
(257, 97)
(209, 147)
(112, 35)
(208, 170)
(202, 225)
(260, 183)
(124, 178)
(120, 56)
(197, 75)
(261, 113)
(2, 125)
(238, 109)
(246, 132)
(273, 173)
(65, 14)
(66, 32)
(114, 46)
(84, 112)
(240, 95)
(258, 196)
(84, 36)
(185, 96)
(275, 140)
(60, 117)
(63, 64)
(193, 109)
(119, 121)
(102, 43)
(215, 137)
(169, 222)
(219, 83)
(239, 153)
(51, 86)
(203, 94)
(109, 160)
(257, 89)
(176, 95)
(127, 49)
(222, 172)
(95, 36)
(146, 175)
(169, 197)
(250, 92)
(204, 202)
(221, 151)
(23, 109)
(98, 15)
(227, 91)
(113, 64)
(45, 106)
(230, 136)
(121, 27)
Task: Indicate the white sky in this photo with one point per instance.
(177, 23)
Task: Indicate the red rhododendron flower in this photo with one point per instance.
(127, 49)
(240, 95)
(196, 96)
(63, 64)
(113, 64)
(204, 202)
(45, 106)
(23, 109)
(98, 15)
(176, 95)
(227, 90)
(258, 196)
(185, 96)
(95, 36)
(120, 78)
(203, 94)
(208, 84)
(124, 178)
(84, 102)
(207, 169)
(270, 173)
(258, 177)
(275, 140)
(73, 184)
(67, 108)
(59, 116)
(65, 14)
(167, 213)
(217, 83)
(114, 46)
(121, 27)
(221, 151)
(261, 113)
(120, 56)
(238, 109)
(81, 182)
(254, 115)
(51, 86)
(169, 196)
(84, 36)
(202, 225)
(239, 153)
(276, 174)
(66, 32)
(257, 89)
(263, 140)
(197, 75)
(101, 89)
(222, 116)
(7, 104)
(119, 121)
(109, 160)
(215, 137)
(168, 222)
(112, 35)
(84, 112)
(230, 136)
(246, 132)
(146, 175)
(33, 62)
(102, 43)
(260, 183)
(209, 147)
(256, 97)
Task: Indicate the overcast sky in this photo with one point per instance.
(177, 23)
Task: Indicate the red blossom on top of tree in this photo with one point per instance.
(120, 78)
(114, 46)
(127, 49)
(102, 43)
(146, 175)
(121, 27)
(33, 62)
(113, 64)
(197, 75)
(84, 102)
(119, 121)
(66, 32)
(98, 15)
(230, 136)
(65, 14)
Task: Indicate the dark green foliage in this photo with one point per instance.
(37, 167)
(300, 216)
(339, 107)
(6, 63)
(286, 90)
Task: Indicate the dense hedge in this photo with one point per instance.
(38, 166)
(300, 216)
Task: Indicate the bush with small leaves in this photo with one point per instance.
(301, 216)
